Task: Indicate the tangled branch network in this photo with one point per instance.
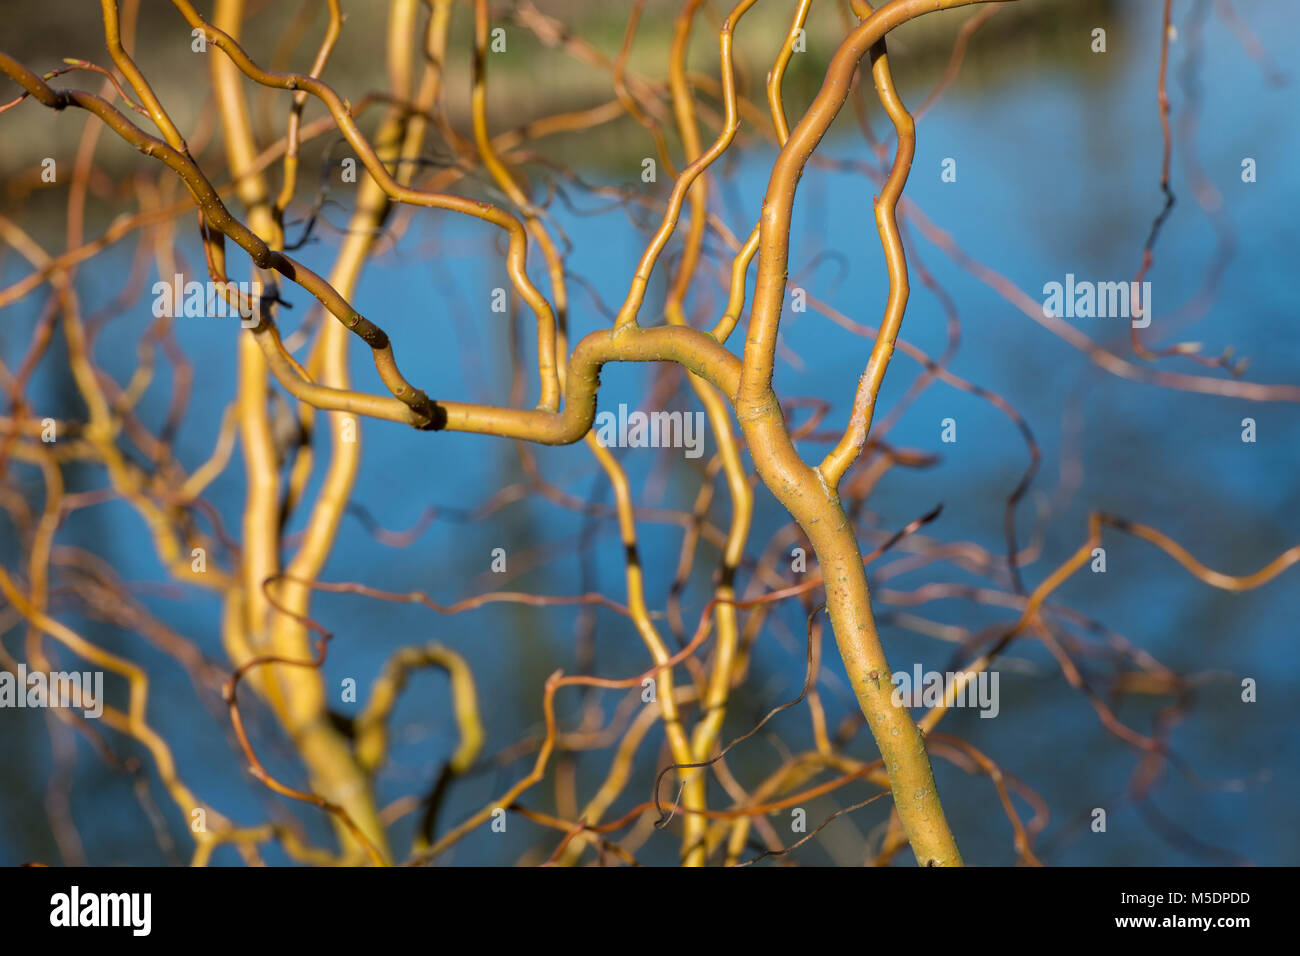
(294, 415)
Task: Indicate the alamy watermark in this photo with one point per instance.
(204, 300)
(133, 911)
(931, 689)
(640, 429)
(1101, 300)
(72, 689)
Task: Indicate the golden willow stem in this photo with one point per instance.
(290, 183)
(627, 314)
(846, 451)
(123, 61)
(804, 491)
(372, 724)
(547, 336)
